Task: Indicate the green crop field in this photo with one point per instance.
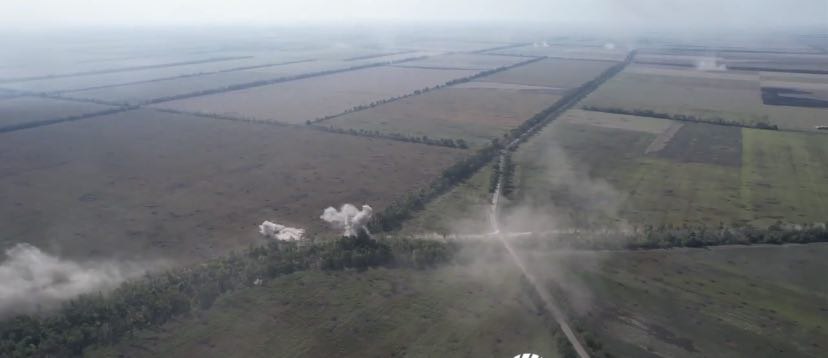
(723, 302)
(460, 311)
(729, 301)
(701, 174)
(733, 97)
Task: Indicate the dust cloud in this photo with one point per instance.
(34, 281)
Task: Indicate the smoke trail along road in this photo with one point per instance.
(557, 313)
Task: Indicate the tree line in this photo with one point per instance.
(98, 319)
(442, 142)
(423, 90)
(19, 126)
(271, 81)
(683, 117)
(397, 212)
(668, 236)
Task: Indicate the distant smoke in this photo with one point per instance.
(540, 44)
(348, 218)
(710, 64)
(32, 281)
(609, 46)
(280, 232)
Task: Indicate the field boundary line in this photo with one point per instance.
(122, 69)
(688, 118)
(498, 48)
(449, 83)
(35, 124)
(549, 301)
(189, 75)
(272, 81)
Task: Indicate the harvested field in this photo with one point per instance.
(803, 63)
(144, 92)
(157, 184)
(616, 121)
(570, 51)
(464, 62)
(552, 73)
(731, 99)
(311, 98)
(474, 115)
(107, 79)
(24, 110)
(692, 73)
(506, 86)
(574, 172)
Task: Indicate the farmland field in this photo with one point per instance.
(732, 96)
(476, 115)
(723, 302)
(552, 73)
(143, 182)
(463, 210)
(308, 99)
(599, 184)
(464, 62)
(61, 84)
(597, 52)
(143, 92)
(449, 312)
(728, 302)
(24, 110)
(638, 172)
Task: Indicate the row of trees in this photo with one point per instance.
(392, 216)
(662, 237)
(271, 81)
(157, 298)
(534, 124)
(400, 210)
(424, 90)
(683, 117)
(443, 142)
(18, 126)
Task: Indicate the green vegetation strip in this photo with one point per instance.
(682, 117)
(149, 302)
(395, 214)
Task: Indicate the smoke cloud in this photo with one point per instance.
(280, 232)
(348, 218)
(710, 64)
(34, 281)
(571, 198)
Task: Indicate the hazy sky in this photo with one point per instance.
(739, 13)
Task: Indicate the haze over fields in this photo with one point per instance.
(461, 178)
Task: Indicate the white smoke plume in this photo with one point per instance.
(609, 46)
(280, 232)
(348, 218)
(710, 64)
(32, 280)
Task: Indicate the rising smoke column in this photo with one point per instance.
(32, 280)
(348, 218)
